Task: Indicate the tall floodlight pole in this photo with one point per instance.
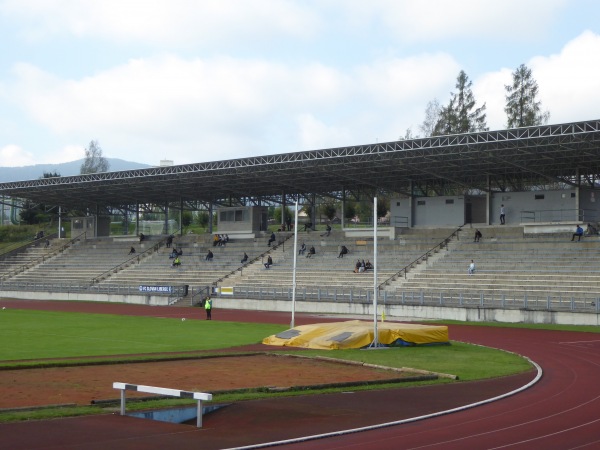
(292, 324)
(375, 265)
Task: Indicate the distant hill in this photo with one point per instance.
(65, 169)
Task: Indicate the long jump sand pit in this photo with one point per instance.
(83, 385)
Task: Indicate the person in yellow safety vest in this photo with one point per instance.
(208, 308)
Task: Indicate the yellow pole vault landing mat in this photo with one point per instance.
(358, 334)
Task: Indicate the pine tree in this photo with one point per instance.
(522, 108)
(461, 115)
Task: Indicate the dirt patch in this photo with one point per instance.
(84, 384)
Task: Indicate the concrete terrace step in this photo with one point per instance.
(506, 262)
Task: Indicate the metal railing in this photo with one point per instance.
(517, 300)
(399, 222)
(112, 289)
(253, 260)
(559, 215)
(34, 262)
(424, 257)
(199, 294)
(134, 259)
(551, 301)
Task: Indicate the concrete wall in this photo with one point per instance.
(392, 312)
(589, 201)
(399, 209)
(430, 211)
(543, 206)
(549, 206)
(411, 312)
(367, 233)
(439, 211)
(81, 225)
(251, 222)
(154, 300)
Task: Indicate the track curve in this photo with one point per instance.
(562, 411)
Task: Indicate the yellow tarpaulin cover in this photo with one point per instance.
(357, 334)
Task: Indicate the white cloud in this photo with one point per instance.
(489, 89)
(168, 104)
(224, 23)
(207, 106)
(15, 156)
(314, 134)
(397, 82)
(433, 20)
(172, 22)
(569, 82)
(569, 85)
(66, 154)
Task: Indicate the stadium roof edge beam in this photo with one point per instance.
(539, 154)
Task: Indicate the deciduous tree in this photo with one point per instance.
(432, 115)
(94, 161)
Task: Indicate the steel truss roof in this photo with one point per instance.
(543, 155)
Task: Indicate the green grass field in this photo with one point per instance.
(33, 334)
(45, 338)
(41, 339)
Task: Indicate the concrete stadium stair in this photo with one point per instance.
(508, 263)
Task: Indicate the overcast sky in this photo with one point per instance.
(194, 81)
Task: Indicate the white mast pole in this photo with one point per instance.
(292, 324)
(375, 265)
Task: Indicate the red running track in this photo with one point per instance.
(561, 411)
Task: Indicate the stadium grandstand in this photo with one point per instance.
(543, 180)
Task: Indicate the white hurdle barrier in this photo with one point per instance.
(200, 396)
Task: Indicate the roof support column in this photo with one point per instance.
(126, 220)
(97, 214)
(578, 212)
(137, 219)
(210, 217)
(283, 199)
(314, 212)
(411, 199)
(488, 200)
(181, 214)
(60, 235)
(166, 224)
(343, 218)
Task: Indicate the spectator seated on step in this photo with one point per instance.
(591, 230)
